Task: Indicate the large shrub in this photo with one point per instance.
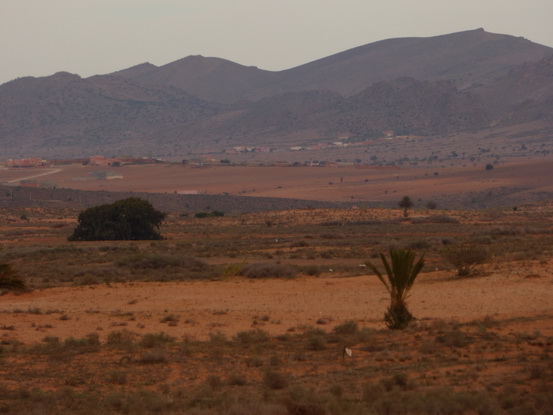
(126, 219)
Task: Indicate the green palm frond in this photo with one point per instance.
(401, 272)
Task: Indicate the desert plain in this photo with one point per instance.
(179, 325)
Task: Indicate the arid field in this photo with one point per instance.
(183, 325)
(470, 185)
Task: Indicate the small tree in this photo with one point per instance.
(400, 276)
(406, 203)
(126, 219)
(465, 258)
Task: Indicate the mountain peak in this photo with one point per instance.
(136, 70)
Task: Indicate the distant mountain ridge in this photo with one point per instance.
(466, 57)
(444, 85)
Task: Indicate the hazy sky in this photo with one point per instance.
(88, 37)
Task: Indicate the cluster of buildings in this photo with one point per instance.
(28, 162)
(249, 149)
(103, 161)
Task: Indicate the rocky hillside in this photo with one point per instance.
(442, 85)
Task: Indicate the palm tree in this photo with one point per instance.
(401, 275)
(406, 203)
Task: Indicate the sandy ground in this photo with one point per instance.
(276, 306)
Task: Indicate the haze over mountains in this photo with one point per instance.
(438, 86)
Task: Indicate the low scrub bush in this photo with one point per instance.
(10, 280)
(52, 345)
(218, 338)
(275, 380)
(121, 338)
(171, 319)
(454, 338)
(117, 377)
(312, 270)
(398, 381)
(268, 270)
(316, 341)
(299, 244)
(152, 340)
(49, 345)
(161, 261)
(316, 338)
(251, 336)
(154, 357)
(419, 244)
(435, 219)
(237, 379)
(212, 214)
(442, 219)
(347, 327)
(465, 258)
(214, 382)
(91, 341)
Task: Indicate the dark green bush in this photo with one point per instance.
(126, 219)
(212, 214)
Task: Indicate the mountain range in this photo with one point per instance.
(439, 86)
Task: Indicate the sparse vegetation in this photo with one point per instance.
(130, 366)
(465, 258)
(267, 270)
(212, 214)
(232, 270)
(138, 379)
